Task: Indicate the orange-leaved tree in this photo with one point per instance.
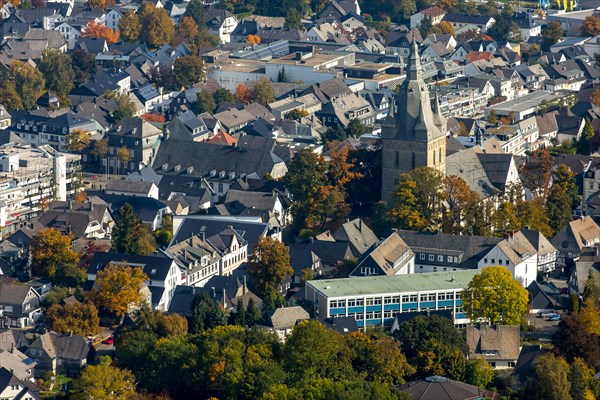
(94, 30)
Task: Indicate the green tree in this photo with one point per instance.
(252, 315)
(223, 95)
(334, 134)
(417, 334)
(406, 8)
(552, 34)
(125, 108)
(100, 148)
(130, 27)
(494, 295)
(558, 208)
(307, 172)
(296, 114)
(505, 218)
(188, 70)
(418, 199)
(9, 97)
(84, 65)
(563, 177)
(493, 117)
(58, 71)
(130, 235)
(551, 382)
(75, 318)
(479, 372)
(573, 340)
(206, 314)
(118, 287)
(281, 75)
(293, 19)
(195, 9)
(583, 144)
(29, 83)
(379, 221)
(104, 382)
(314, 351)
(580, 378)
(205, 102)
(269, 265)
(53, 258)
(356, 128)
(263, 91)
(164, 234)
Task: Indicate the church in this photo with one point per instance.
(413, 135)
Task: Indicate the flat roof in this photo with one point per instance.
(524, 103)
(393, 284)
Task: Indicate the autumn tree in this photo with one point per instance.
(493, 117)
(443, 28)
(104, 4)
(117, 287)
(75, 318)
(29, 83)
(187, 29)
(595, 97)
(573, 340)
(164, 234)
(296, 114)
(53, 258)
(157, 27)
(77, 140)
(269, 265)
(103, 381)
(562, 198)
(532, 213)
(253, 39)
(581, 378)
(58, 71)
(263, 91)
(9, 97)
(130, 27)
(130, 235)
(188, 70)
(537, 172)
(100, 148)
(591, 26)
(94, 30)
(243, 93)
(462, 203)
(495, 296)
(418, 199)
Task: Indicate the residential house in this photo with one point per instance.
(140, 138)
(18, 363)
(462, 22)
(436, 387)
(356, 232)
(570, 125)
(587, 265)
(573, 238)
(546, 297)
(187, 125)
(150, 210)
(341, 110)
(59, 354)
(284, 319)
(5, 118)
(516, 254)
(221, 22)
(273, 207)
(162, 272)
(19, 305)
(435, 14)
(336, 9)
(547, 254)
(233, 119)
(390, 257)
(304, 259)
(81, 220)
(197, 257)
(13, 388)
(499, 345)
(132, 188)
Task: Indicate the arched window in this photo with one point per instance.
(433, 157)
(397, 163)
(440, 156)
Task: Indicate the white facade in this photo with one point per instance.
(524, 271)
(70, 33)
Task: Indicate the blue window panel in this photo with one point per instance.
(388, 321)
(427, 304)
(407, 306)
(373, 308)
(445, 303)
(460, 316)
(373, 322)
(335, 311)
(458, 303)
(355, 309)
(391, 307)
(360, 324)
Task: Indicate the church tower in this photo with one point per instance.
(413, 135)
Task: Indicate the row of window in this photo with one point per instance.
(407, 298)
(440, 258)
(485, 260)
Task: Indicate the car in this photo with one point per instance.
(555, 317)
(546, 314)
(109, 340)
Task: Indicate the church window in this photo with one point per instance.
(434, 157)
(440, 156)
(414, 161)
(397, 159)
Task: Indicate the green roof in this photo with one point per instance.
(393, 284)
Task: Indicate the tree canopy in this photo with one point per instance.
(269, 265)
(53, 258)
(118, 287)
(494, 295)
(75, 318)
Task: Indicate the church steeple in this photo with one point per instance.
(414, 63)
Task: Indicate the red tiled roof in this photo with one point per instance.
(222, 138)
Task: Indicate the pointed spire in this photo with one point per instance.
(414, 62)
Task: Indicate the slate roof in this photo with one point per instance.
(358, 234)
(469, 249)
(467, 165)
(156, 267)
(384, 255)
(572, 238)
(212, 225)
(7, 379)
(13, 294)
(496, 167)
(343, 325)
(74, 217)
(145, 207)
(541, 244)
(68, 347)
(440, 388)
